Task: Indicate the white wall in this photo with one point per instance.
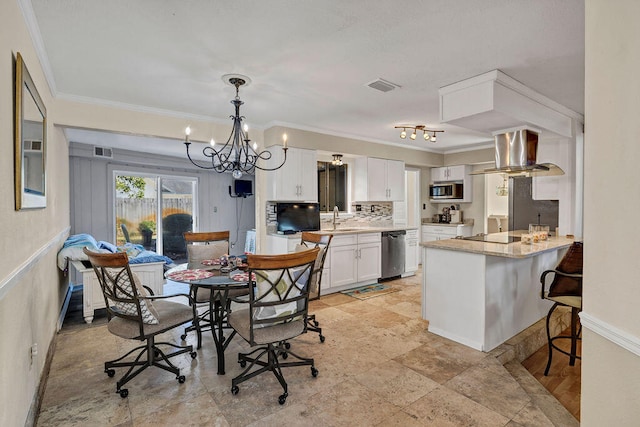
(31, 287)
(611, 318)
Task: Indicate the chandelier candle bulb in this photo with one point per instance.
(212, 143)
(284, 140)
(187, 132)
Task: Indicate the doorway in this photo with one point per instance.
(140, 199)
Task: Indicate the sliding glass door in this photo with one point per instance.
(140, 199)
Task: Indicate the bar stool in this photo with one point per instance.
(565, 290)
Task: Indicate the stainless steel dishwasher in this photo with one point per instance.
(393, 254)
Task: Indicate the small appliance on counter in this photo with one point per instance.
(456, 217)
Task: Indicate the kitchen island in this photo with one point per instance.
(481, 294)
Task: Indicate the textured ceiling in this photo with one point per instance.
(310, 61)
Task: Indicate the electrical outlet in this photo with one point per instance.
(215, 209)
(233, 245)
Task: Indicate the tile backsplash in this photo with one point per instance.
(363, 214)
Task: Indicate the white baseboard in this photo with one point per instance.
(65, 306)
(617, 336)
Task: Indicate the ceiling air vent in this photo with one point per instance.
(32, 145)
(383, 85)
(103, 152)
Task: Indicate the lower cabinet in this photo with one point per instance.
(355, 258)
(442, 232)
(412, 255)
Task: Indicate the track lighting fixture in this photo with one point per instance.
(427, 134)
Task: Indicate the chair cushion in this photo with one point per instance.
(149, 313)
(571, 263)
(171, 314)
(314, 285)
(198, 253)
(239, 320)
(571, 301)
(264, 278)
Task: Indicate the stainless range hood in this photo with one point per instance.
(516, 155)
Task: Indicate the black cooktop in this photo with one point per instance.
(494, 238)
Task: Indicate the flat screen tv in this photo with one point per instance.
(294, 217)
(242, 188)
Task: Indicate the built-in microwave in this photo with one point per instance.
(448, 190)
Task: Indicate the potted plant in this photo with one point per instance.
(147, 228)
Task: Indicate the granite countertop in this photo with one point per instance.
(510, 250)
(446, 224)
(357, 230)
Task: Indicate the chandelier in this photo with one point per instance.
(237, 155)
(337, 160)
(423, 128)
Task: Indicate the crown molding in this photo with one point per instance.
(36, 38)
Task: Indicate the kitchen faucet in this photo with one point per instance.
(336, 214)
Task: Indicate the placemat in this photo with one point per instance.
(215, 261)
(188, 275)
(243, 277)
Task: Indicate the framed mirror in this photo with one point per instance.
(30, 141)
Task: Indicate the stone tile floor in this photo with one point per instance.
(378, 366)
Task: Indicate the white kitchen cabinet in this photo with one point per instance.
(281, 243)
(450, 173)
(459, 174)
(378, 180)
(355, 258)
(442, 232)
(297, 179)
(411, 252)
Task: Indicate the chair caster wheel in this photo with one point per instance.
(235, 389)
(287, 345)
(242, 363)
(314, 372)
(124, 393)
(110, 372)
(282, 398)
(181, 379)
(285, 355)
(183, 337)
(193, 354)
(315, 323)
(322, 338)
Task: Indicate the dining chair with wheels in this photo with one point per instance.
(133, 314)
(565, 290)
(276, 313)
(321, 241)
(203, 246)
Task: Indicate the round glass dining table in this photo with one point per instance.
(221, 284)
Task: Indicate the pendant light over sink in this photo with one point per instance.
(237, 155)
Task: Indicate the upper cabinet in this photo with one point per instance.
(450, 173)
(297, 180)
(378, 180)
(460, 174)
